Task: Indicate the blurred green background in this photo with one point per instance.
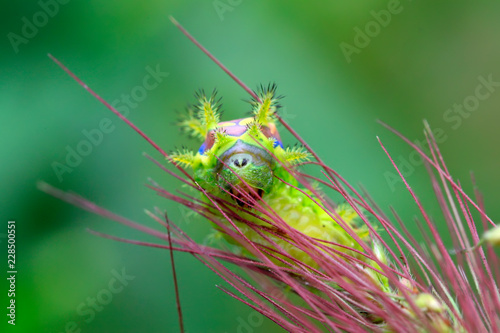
(427, 57)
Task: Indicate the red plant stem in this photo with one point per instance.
(252, 246)
(92, 207)
(214, 59)
(233, 279)
(106, 104)
(122, 117)
(453, 223)
(174, 274)
(440, 170)
(241, 84)
(448, 266)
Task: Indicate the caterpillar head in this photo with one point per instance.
(239, 155)
(238, 158)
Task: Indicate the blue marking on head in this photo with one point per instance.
(277, 143)
(202, 149)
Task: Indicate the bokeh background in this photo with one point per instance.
(426, 59)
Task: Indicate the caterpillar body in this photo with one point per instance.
(244, 162)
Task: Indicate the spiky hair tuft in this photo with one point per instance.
(266, 106)
(183, 157)
(191, 125)
(208, 109)
(296, 155)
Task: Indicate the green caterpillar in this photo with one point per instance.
(243, 161)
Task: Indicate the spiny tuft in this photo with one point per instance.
(183, 157)
(296, 155)
(265, 108)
